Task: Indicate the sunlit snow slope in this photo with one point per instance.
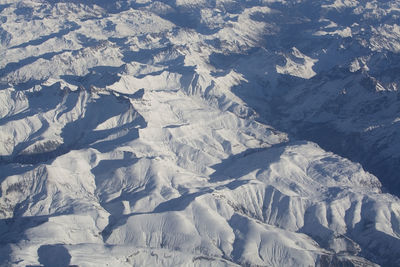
(189, 133)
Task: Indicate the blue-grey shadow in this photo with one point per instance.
(12, 231)
(54, 256)
(100, 77)
(70, 27)
(180, 203)
(239, 165)
(13, 66)
(78, 134)
(40, 101)
(4, 6)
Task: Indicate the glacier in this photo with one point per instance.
(199, 133)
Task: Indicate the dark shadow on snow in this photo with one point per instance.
(12, 231)
(53, 256)
(13, 66)
(69, 28)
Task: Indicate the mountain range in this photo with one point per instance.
(199, 133)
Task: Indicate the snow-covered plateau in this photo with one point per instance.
(199, 133)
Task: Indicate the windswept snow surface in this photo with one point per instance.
(189, 133)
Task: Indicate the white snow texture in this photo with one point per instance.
(198, 133)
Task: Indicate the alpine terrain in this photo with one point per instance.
(199, 133)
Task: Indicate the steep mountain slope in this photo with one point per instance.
(138, 133)
(332, 79)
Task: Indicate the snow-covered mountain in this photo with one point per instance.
(199, 133)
